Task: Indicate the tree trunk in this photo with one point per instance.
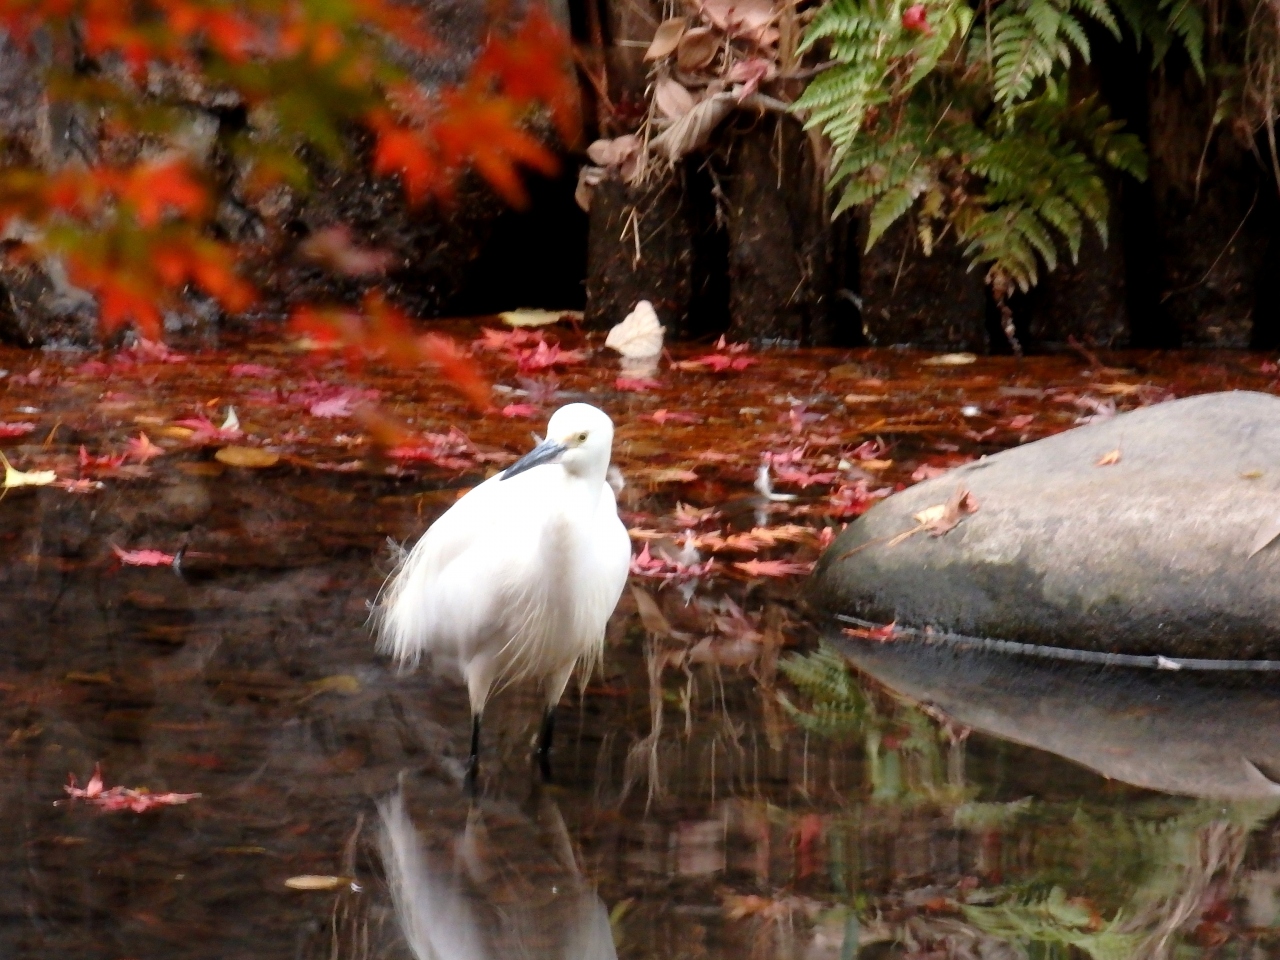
(931, 301)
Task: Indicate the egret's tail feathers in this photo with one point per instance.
(400, 618)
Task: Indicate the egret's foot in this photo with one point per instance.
(544, 744)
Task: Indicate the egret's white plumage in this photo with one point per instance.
(519, 577)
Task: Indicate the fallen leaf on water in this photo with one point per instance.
(82, 485)
(254, 458)
(537, 318)
(1109, 458)
(141, 448)
(252, 370)
(664, 416)
(773, 568)
(143, 558)
(950, 360)
(545, 356)
(636, 384)
(10, 430)
(671, 475)
(139, 799)
(308, 881)
(342, 683)
(31, 478)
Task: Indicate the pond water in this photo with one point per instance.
(986, 809)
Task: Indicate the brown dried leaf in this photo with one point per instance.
(666, 38)
(693, 131)
(961, 504)
(615, 152)
(697, 48)
(672, 99)
(750, 19)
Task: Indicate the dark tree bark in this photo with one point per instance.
(640, 247)
(932, 301)
(780, 241)
(1086, 300)
(1209, 224)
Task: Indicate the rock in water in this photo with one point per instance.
(1168, 550)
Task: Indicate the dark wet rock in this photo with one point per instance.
(1162, 730)
(926, 301)
(1150, 555)
(657, 265)
(779, 234)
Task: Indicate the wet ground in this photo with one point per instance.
(987, 809)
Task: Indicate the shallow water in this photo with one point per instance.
(251, 680)
(982, 825)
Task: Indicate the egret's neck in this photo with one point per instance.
(584, 485)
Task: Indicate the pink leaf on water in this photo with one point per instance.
(143, 558)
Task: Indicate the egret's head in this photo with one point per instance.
(579, 437)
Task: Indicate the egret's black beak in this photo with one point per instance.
(548, 451)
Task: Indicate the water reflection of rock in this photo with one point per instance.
(507, 885)
(1163, 730)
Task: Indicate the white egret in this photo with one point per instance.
(519, 577)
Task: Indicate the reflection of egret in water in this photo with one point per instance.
(507, 886)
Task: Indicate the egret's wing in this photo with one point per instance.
(452, 581)
(613, 548)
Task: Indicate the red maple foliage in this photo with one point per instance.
(133, 225)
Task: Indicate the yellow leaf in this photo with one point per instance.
(1107, 459)
(17, 478)
(537, 318)
(950, 360)
(343, 683)
(254, 458)
(314, 882)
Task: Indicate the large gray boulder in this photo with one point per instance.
(1155, 554)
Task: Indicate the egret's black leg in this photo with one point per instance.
(544, 742)
(473, 761)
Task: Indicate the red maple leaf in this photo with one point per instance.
(143, 558)
(545, 356)
(661, 417)
(141, 448)
(11, 430)
(888, 631)
(636, 384)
